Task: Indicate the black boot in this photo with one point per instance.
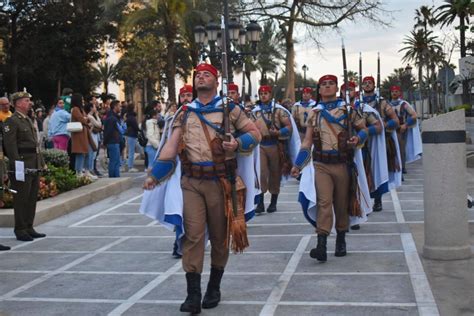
(213, 292)
(355, 227)
(4, 248)
(33, 233)
(340, 244)
(272, 208)
(377, 204)
(260, 206)
(320, 252)
(192, 304)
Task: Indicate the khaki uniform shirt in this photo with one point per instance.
(197, 147)
(301, 113)
(20, 134)
(403, 109)
(260, 117)
(329, 139)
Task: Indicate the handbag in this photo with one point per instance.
(74, 127)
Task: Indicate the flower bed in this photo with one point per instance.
(58, 179)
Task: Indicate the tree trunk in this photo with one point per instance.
(59, 87)
(462, 38)
(249, 87)
(170, 64)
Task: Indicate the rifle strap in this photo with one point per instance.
(206, 132)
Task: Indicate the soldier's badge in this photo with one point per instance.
(6, 128)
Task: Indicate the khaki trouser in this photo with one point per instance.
(270, 169)
(24, 202)
(332, 187)
(203, 205)
(402, 141)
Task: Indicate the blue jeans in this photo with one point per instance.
(90, 159)
(131, 142)
(114, 160)
(79, 162)
(151, 153)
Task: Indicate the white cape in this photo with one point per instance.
(395, 178)
(413, 146)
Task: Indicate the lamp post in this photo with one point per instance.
(208, 39)
(305, 68)
(407, 73)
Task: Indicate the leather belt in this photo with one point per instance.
(206, 172)
(28, 150)
(330, 158)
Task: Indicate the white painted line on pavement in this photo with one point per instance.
(397, 206)
(133, 203)
(43, 278)
(277, 292)
(153, 223)
(354, 304)
(351, 273)
(62, 300)
(105, 211)
(423, 295)
(119, 310)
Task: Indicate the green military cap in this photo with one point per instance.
(19, 95)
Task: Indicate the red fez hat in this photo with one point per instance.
(327, 77)
(395, 88)
(352, 84)
(307, 90)
(186, 88)
(369, 78)
(265, 89)
(207, 67)
(233, 87)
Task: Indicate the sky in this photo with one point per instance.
(367, 38)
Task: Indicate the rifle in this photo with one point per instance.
(361, 99)
(236, 227)
(354, 206)
(273, 101)
(243, 86)
(377, 91)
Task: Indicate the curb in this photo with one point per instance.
(71, 201)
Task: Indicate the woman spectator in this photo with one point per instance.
(47, 141)
(57, 130)
(96, 128)
(153, 135)
(132, 134)
(80, 140)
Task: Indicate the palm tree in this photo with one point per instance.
(424, 17)
(106, 73)
(270, 51)
(447, 13)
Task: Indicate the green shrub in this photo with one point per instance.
(64, 178)
(56, 157)
(466, 107)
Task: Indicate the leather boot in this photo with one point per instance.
(4, 248)
(377, 204)
(260, 206)
(213, 292)
(272, 208)
(340, 244)
(320, 252)
(192, 304)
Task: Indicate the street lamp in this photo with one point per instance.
(305, 68)
(209, 40)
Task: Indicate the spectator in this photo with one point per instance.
(132, 134)
(47, 141)
(57, 126)
(112, 137)
(66, 97)
(96, 129)
(80, 140)
(4, 109)
(153, 135)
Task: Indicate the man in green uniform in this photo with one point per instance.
(21, 145)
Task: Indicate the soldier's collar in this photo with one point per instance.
(21, 114)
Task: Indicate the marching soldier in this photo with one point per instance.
(328, 134)
(21, 144)
(185, 95)
(407, 118)
(274, 124)
(390, 121)
(206, 160)
(301, 110)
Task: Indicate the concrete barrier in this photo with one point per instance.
(444, 168)
(68, 202)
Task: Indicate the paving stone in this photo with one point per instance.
(378, 228)
(345, 310)
(363, 243)
(78, 244)
(22, 308)
(11, 260)
(412, 205)
(257, 262)
(410, 196)
(11, 281)
(89, 286)
(277, 217)
(128, 262)
(118, 220)
(355, 262)
(383, 216)
(144, 309)
(111, 231)
(350, 288)
(233, 287)
(145, 244)
(126, 209)
(269, 230)
(276, 243)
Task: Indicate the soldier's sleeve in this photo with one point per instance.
(10, 139)
(371, 119)
(357, 118)
(311, 121)
(411, 120)
(178, 121)
(238, 118)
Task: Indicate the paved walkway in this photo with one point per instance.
(108, 259)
